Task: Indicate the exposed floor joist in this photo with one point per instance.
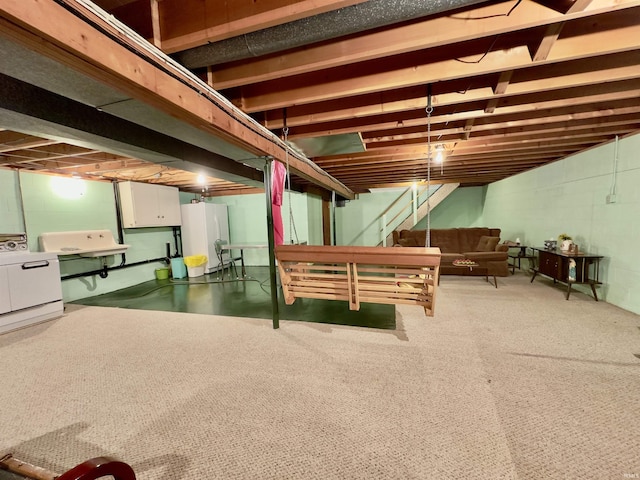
(78, 46)
(515, 85)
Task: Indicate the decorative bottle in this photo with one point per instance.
(572, 270)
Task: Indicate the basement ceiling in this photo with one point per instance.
(514, 85)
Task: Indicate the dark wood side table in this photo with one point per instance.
(516, 254)
(555, 264)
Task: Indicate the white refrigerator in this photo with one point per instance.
(202, 224)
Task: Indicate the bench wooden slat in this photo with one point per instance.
(328, 276)
(395, 270)
(395, 301)
(320, 288)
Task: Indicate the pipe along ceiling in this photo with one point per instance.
(344, 21)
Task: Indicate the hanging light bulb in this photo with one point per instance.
(439, 153)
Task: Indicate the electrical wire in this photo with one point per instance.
(483, 55)
(518, 2)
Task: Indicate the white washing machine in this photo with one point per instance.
(30, 288)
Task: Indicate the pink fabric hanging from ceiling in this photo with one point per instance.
(278, 176)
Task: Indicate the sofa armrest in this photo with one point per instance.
(501, 247)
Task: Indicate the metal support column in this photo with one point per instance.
(272, 256)
(333, 218)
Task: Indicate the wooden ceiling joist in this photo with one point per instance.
(79, 46)
(306, 89)
(516, 85)
(443, 30)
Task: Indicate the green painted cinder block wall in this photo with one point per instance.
(36, 203)
(570, 196)
(248, 221)
(462, 208)
(359, 222)
(11, 220)
(567, 196)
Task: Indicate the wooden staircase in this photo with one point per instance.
(443, 192)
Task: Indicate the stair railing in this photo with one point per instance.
(406, 205)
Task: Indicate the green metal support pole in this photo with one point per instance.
(272, 256)
(333, 217)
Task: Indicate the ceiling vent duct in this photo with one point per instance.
(337, 23)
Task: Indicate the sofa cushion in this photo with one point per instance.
(468, 238)
(446, 239)
(487, 244)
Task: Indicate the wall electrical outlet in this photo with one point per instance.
(611, 198)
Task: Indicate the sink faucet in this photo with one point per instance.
(89, 237)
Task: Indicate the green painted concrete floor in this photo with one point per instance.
(240, 298)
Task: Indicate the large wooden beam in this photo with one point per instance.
(51, 30)
(67, 117)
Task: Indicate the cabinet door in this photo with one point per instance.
(546, 266)
(138, 202)
(145, 205)
(168, 206)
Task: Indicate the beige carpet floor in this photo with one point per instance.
(507, 383)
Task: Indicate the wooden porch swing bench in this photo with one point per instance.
(360, 274)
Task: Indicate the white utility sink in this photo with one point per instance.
(86, 243)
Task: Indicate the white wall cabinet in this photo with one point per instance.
(149, 205)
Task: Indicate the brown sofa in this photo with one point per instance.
(478, 244)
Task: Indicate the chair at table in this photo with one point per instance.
(220, 249)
